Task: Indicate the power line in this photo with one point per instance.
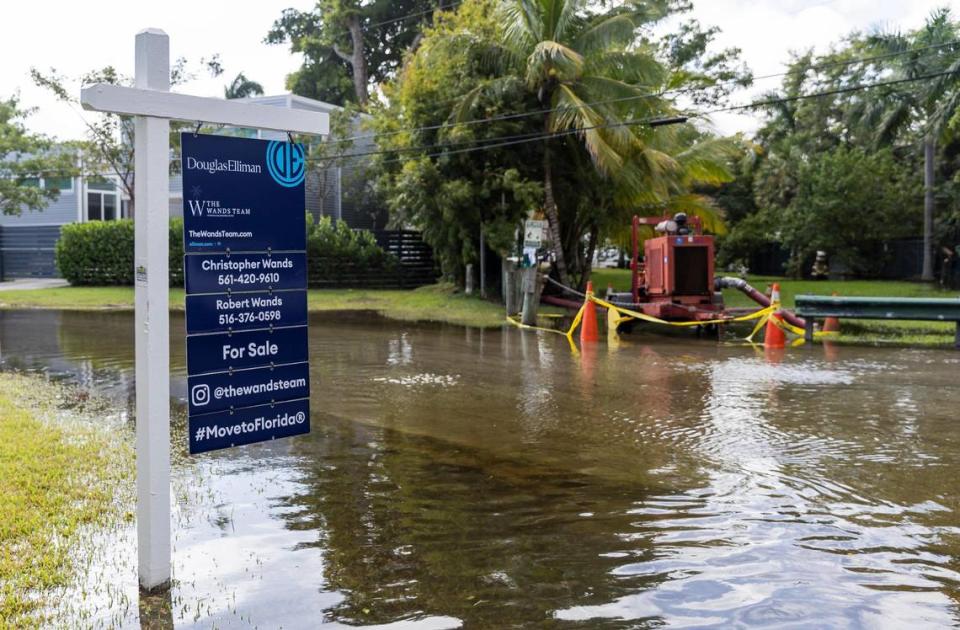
(503, 141)
(752, 105)
(451, 6)
(677, 91)
(843, 90)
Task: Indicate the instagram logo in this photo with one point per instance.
(200, 395)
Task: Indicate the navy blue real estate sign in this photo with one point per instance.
(224, 429)
(245, 311)
(242, 195)
(245, 272)
(258, 386)
(217, 273)
(224, 352)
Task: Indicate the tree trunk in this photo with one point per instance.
(929, 149)
(358, 62)
(129, 188)
(553, 217)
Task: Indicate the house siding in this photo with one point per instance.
(62, 210)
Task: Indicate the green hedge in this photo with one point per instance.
(339, 255)
(101, 253)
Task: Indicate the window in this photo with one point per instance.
(62, 184)
(102, 206)
(103, 200)
(101, 184)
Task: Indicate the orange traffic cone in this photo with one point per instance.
(831, 324)
(588, 325)
(773, 336)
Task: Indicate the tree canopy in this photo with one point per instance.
(572, 86)
(108, 147)
(32, 166)
(880, 99)
(349, 45)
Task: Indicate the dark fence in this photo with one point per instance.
(769, 260)
(900, 259)
(410, 265)
(27, 251)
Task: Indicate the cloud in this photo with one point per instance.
(768, 31)
(80, 36)
(76, 37)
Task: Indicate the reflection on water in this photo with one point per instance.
(492, 478)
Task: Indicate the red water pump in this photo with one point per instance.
(675, 278)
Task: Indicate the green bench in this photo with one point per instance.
(812, 307)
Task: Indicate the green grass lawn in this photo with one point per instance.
(444, 303)
(56, 479)
(440, 302)
(620, 280)
(858, 331)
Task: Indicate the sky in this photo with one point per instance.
(80, 36)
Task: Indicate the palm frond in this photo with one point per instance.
(707, 162)
(890, 121)
(605, 140)
(632, 67)
(568, 18)
(616, 95)
(611, 33)
(462, 108)
(578, 115)
(523, 23)
(633, 188)
(698, 206)
(551, 59)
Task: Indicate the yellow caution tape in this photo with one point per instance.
(656, 320)
(762, 316)
(516, 322)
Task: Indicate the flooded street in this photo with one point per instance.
(493, 478)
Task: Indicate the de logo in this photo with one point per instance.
(286, 163)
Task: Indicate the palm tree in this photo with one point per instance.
(242, 87)
(591, 78)
(597, 83)
(927, 104)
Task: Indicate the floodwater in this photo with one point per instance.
(491, 479)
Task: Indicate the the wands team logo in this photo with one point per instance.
(286, 163)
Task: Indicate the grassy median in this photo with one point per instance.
(437, 303)
(61, 475)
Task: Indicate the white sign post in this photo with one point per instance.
(153, 105)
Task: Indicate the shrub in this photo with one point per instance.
(101, 252)
(337, 254)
